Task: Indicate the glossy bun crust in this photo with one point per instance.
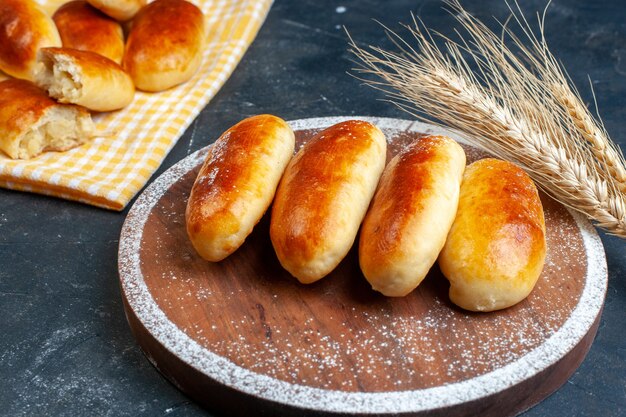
(164, 46)
(236, 184)
(84, 27)
(24, 29)
(323, 197)
(496, 247)
(408, 221)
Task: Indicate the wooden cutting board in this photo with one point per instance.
(243, 337)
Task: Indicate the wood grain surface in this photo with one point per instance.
(338, 335)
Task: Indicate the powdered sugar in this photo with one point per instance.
(278, 368)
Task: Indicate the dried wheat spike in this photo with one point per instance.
(519, 106)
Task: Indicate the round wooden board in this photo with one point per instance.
(243, 337)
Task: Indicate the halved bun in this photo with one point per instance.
(31, 122)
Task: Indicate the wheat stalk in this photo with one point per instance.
(519, 106)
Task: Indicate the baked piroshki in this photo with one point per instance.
(31, 122)
(496, 247)
(411, 213)
(236, 184)
(84, 78)
(323, 196)
(24, 29)
(165, 44)
(84, 27)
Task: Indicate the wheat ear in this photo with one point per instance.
(506, 105)
(568, 97)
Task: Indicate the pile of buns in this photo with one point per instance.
(82, 61)
(483, 223)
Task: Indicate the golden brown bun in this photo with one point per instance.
(164, 46)
(408, 221)
(497, 246)
(31, 122)
(323, 197)
(84, 78)
(236, 184)
(83, 27)
(120, 10)
(24, 28)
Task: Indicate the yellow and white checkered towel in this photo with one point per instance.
(109, 171)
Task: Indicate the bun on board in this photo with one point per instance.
(84, 78)
(323, 196)
(31, 122)
(496, 247)
(84, 27)
(236, 184)
(120, 10)
(411, 213)
(24, 29)
(164, 46)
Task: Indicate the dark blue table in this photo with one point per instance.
(65, 346)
